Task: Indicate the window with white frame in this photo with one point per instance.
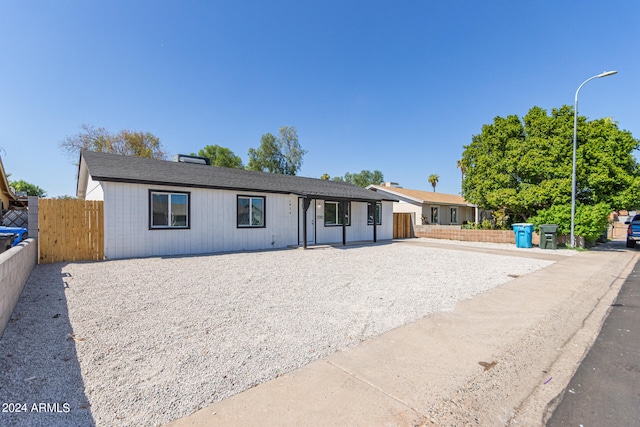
(251, 211)
(454, 215)
(377, 211)
(434, 215)
(168, 210)
(333, 213)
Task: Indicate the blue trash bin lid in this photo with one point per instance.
(522, 225)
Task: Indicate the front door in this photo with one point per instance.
(311, 222)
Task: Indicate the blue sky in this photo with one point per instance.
(398, 86)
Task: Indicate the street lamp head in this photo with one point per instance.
(606, 73)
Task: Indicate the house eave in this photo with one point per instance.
(228, 188)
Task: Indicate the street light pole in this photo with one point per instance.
(575, 147)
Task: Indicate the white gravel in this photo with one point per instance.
(156, 339)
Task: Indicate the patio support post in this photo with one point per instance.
(343, 215)
(306, 202)
(375, 221)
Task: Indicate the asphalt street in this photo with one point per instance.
(605, 390)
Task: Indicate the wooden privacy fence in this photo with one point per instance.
(401, 225)
(70, 230)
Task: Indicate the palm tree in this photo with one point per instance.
(460, 166)
(433, 179)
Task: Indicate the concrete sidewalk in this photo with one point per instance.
(500, 358)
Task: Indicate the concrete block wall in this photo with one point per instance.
(16, 265)
(450, 233)
(493, 236)
(33, 217)
(500, 236)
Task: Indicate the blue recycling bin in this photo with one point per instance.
(20, 233)
(523, 232)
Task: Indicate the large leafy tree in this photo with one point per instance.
(30, 189)
(522, 167)
(292, 152)
(267, 157)
(362, 179)
(126, 142)
(221, 156)
(281, 155)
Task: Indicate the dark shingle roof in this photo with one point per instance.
(117, 168)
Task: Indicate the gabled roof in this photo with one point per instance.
(138, 170)
(422, 196)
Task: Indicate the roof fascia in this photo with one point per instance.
(83, 178)
(396, 194)
(214, 187)
(5, 183)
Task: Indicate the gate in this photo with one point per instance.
(402, 225)
(70, 230)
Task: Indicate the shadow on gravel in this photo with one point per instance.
(40, 377)
(352, 245)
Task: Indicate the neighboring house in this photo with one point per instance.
(7, 196)
(156, 207)
(428, 207)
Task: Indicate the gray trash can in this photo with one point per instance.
(548, 236)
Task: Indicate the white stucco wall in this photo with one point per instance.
(465, 213)
(213, 223)
(94, 190)
(358, 230)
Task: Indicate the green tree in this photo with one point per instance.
(433, 180)
(281, 155)
(125, 142)
(220, 156)
(291, 150)
(523, 167)
(362, 179)
(325, 177)
(31, 189)
(267, 157)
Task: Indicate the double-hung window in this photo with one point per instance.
(168, 210)
(377, 212)
(251, 211)
(333, 213)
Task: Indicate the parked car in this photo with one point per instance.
(633, 231)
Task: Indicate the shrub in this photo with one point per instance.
(591, 220)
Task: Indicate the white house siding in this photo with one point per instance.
(213, 223)
(465, 213)
(414, 209)
(358, 230)
(94, 190)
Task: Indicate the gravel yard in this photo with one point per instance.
(145, 341)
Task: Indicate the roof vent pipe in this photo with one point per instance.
(183, 158)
